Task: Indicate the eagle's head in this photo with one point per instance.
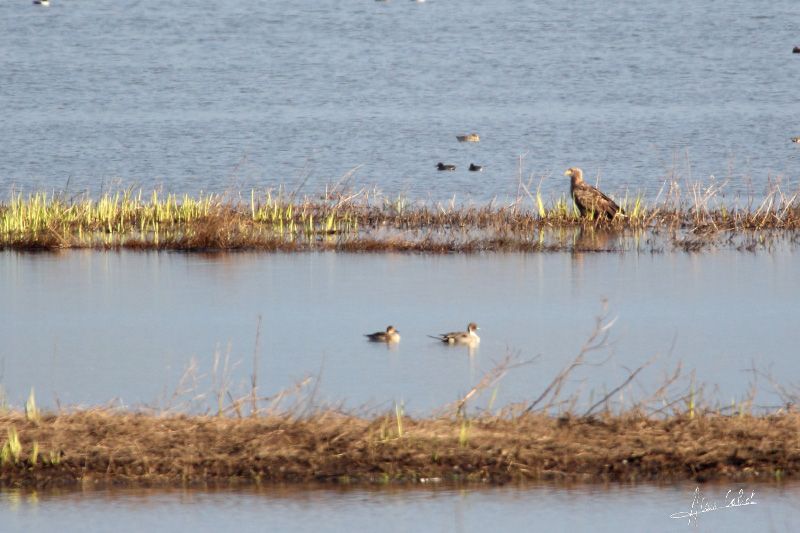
(575, 173)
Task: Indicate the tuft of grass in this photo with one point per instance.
(12, 449)
(34, 453)
(540, 204)
(54, 457)
(463, 433)
(398, 411)
(31, 411)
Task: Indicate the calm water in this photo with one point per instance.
(231, 95)
(88, 327)
(595, 509)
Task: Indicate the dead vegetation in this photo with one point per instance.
(123, 448)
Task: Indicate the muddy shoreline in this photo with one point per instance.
(115, 448)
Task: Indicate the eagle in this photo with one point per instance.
(589, 199)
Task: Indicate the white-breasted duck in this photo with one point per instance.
(469, 337)
(390, 335)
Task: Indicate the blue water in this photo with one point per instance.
(479, 509)
(229, 95)
(87, 327)
(218, 95)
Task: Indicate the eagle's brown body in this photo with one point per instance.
(589, 199)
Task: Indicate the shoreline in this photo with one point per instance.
(131, 449)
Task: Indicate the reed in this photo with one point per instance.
(31, 411)
(398, 411)
(365, 221)
(12, 449)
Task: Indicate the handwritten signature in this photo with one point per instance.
(702, 505)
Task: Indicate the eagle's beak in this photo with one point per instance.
(568, 172)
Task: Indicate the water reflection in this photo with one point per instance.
(598, 508)
(590, 239)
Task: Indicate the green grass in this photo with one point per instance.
(12, 449)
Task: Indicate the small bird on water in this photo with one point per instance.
(41, 2)
(796, 140)
(796, 50)
(390, 335)
(469, 138)
(442, 166)
(469, 337)
(475, 168)
(589, 199)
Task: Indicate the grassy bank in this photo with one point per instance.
(226, 436)
(366, 222)
(137, 449)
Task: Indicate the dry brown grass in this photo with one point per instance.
(124, 448)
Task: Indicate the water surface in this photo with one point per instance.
(547, 508)
(86, 327)
(232, 95)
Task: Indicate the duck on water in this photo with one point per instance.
(389, 336)
(469, 337)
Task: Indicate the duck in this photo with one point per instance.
(589, 199)
(388, 336)
(469, 138)
(796, 50)
(468, 337)
(41, 2)
(442, 166)
(475, 168)
(796, 140)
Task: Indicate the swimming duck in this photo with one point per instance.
(42, 2)
(589, 199)
(390, 335)
(469, 138)
(475, 168)
(796, 140)
(468, 337)
(796, 50)
(442, 166)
